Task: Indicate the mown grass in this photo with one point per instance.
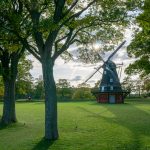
(82, 126)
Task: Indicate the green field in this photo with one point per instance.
(82, 126)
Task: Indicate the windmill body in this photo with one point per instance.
(110, 90)
(110, 80)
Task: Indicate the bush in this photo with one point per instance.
(82, 93)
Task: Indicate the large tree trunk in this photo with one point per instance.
(51, 131)
(9, 77)
(9, 114)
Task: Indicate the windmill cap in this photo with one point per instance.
(111, 64)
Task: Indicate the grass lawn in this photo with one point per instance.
(82, 126)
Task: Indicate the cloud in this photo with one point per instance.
(77, 78)
(92, 81)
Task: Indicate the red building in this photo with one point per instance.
(109, 97)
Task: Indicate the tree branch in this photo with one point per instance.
(75, 40)
(71, 7)
(52, 35)
(64, 47)
(59, 40)
(37, 35)
(33, 50)
(58, 14)
(78, 13)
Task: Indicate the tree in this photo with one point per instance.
(24, 84)
(97, 84)
(140, 45)
(146, 86)
(9, 61)
(135, 86)
(1, 88)
(55, 25)
(83, 85)
(10, 52)
(82, 94)
(83, 91)
(39, 88)
(1, 83)
(63, 83)
(0, 68)
(63, 88)
(127, 84)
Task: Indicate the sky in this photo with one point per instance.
(77, 72)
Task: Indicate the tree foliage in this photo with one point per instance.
(11, 51)
(1, 88)
(39, 88)
(24, 83)
(83, 91)
(64, 89)
(65, 23)
(140, 45)
(146, 85)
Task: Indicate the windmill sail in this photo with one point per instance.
(93, 73)
(105, 62)
(116, 50)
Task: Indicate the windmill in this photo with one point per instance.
(110, 90)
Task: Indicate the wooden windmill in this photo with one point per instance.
(110, 90)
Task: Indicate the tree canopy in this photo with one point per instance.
(64, 23)
(140, 45)
(24, 79)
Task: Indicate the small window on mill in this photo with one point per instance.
(111, 80)
(111, 88)
(103, 88)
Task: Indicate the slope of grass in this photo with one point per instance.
(82, 126)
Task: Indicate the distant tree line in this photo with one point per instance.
(29, 88)
(35, 91)
(137, 87)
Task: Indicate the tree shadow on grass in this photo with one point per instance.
(6, 126)
(3, 126)
(43, 144)
(135, 120)
(13, 125)
(132, 118)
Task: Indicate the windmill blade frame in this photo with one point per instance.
(93, 73)
(116, 50)
(105, 62)
(120, 72)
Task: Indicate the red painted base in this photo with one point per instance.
(109, 98)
